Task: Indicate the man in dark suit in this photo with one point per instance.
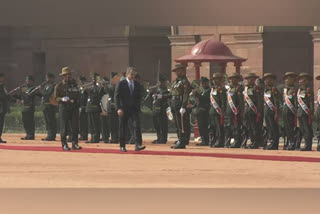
(127, 98)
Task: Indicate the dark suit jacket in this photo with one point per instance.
(124, 100)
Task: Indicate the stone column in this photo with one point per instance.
(180, 46)
(248, 46)
(5, 56)
(316, 61)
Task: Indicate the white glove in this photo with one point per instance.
(65, 99)
(182, 110)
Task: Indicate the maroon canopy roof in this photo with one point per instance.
(210, 51)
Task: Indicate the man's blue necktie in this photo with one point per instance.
(131, 87)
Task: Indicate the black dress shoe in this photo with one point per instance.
(123, 149)
(2, 141)
(217, 145)
(202, 144)
(139, 148)
(65, 147)
(178, 145)
(155, 142)
(75, 146)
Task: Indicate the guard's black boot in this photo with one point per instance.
(235, 145)
(65, 147)
(307, 146)
(291, 147)
(155, 142)
(318, 148)
(272, 146)
(123, 149)
(219, 144)
(75, 146)
(178, 145)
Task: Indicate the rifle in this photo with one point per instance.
(16, 89)
(37, 88)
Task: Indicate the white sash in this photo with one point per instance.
(288, 102)
(250, 103)
(269, 103)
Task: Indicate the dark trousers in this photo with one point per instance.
(183, 135)
(28, 122)
(114, 125)
(203, 123)
(83, 117)
(216, 129)
(49, 113)
(252, 127)
(69, 123)
(124, 128)
(289, 126)
(94, 125)
(272, 127)
(233, 129)
(160, 122)
(1, 123)
(306, 130)
(105, 130)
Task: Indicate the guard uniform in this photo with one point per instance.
(180, 91)
(305, 98)
(83, 117)
(289, 112)
(271, 113)
(159, 115)
(202, 111)
(67, 94)
(104, 117)
(253, 104)
(93, 110)
(217, 111)
(49, 111)
(234, 112)
(113, 115)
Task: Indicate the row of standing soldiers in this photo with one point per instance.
(79, 108)
(230, 114)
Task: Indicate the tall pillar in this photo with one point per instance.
(197, 71)
(180, 46)
(316, 60)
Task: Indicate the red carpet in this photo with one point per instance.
(173, 153)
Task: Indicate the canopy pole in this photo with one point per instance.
(238, 66)
(197, 70)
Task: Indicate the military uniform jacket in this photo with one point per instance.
(4, 105)
(288, 98)
(236, 94)
(27, 98)
(83, 98)
(255, 95)
(203, 99)
(111, 104)
(180, 91)
(46, 93)
(307, 96)
(271, 99)
(67, 89)
(160, 104)
(94, 98)
(218, 93)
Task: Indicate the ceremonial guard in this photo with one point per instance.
(49, 110)
(93, 109)
(112, 112)
(305, 99)
(271, 111)
(105, 128)
(289, 109)
(234, 111)
(180, 97)
(159, 106)
(218, 100)
(202, 108)
(253, 103)
(28, 96)
(83, 117)
(318, 116)
(4, 105)
(67, 94)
